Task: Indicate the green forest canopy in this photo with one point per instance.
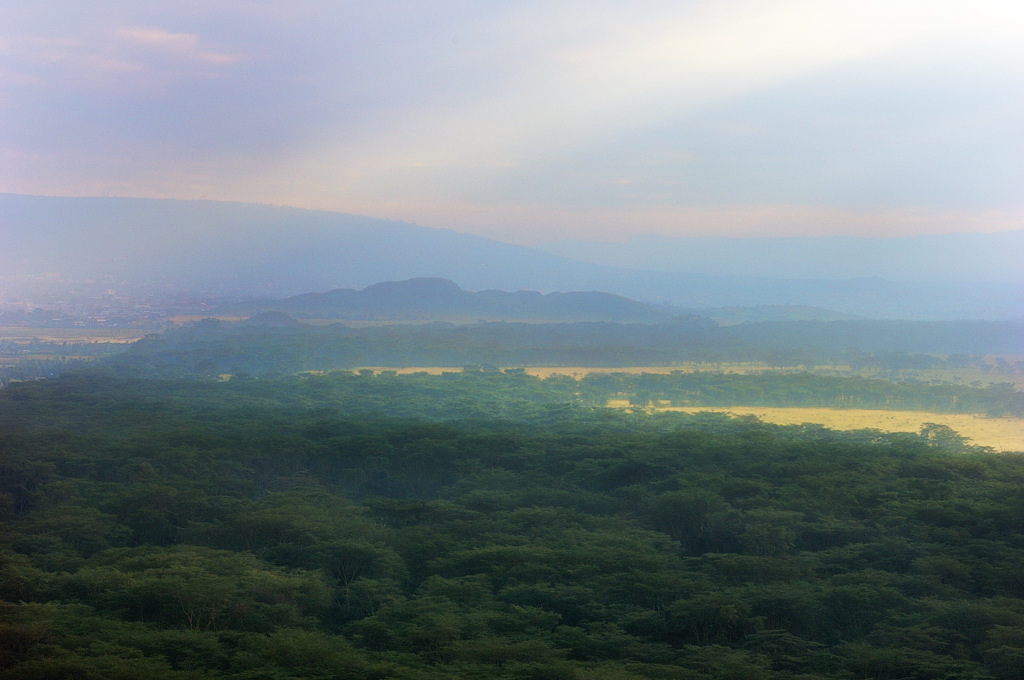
(481, 525)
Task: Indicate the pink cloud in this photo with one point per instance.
(184, 45)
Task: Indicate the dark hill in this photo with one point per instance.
(271, 320)
(430, 299)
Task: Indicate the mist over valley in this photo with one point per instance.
(145, 247)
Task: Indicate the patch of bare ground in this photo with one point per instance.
(25, 334)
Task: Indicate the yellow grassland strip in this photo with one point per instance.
(1002, 434)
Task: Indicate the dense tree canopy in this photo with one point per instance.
(484, 525)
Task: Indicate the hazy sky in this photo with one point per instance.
(534, 120)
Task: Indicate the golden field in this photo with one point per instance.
(1002, 434)
(583, 371)
(409, 370)
(964, 376)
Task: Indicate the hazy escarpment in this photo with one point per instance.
(152, 247)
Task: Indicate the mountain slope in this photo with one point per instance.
(159, 247)
(246, 249)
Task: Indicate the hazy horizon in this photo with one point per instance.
(57, 246)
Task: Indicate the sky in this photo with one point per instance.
(533, 121)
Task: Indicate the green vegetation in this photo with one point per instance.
(211, 347)
(34, 358)
(803, 389)
(488, 525)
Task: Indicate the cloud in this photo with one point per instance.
(449, 112)
(114, 59)
(570, 96)
(186, 46)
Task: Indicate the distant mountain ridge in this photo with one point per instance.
(932, 257)
(150, 247)
(437, 299)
